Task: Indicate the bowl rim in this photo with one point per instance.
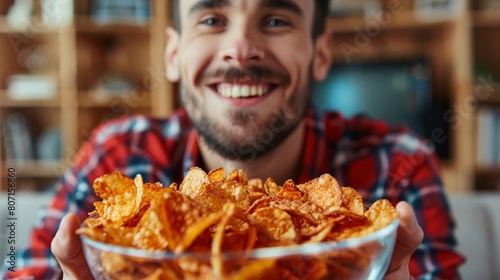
(260, 253)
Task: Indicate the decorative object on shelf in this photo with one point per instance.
(17, 138)
(34, 58)
(121, 11)
(56, 13)
(438, 8)
(48, 145)
(341, 8)
(19, 14)
(110, 85)
(31, 86)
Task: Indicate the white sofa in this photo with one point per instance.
(478, 234)
(477, 216)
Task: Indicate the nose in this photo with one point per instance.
(241, 48)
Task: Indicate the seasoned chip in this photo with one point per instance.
(121, 197)
(290, 191)
(115, 263)
(195, 230)
(179, 212)
(381, 213)
(216, 175)
(324, 191)
(194, 183)
(216, 194)
(278, 222)
(238, 176)
(216, 261)
(151, 234)
(261, 269)
(271, 188)
(256, 185)
(352, 200)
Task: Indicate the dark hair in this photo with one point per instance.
(319, 17)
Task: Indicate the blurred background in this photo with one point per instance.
(67, 66)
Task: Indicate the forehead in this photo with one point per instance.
(303, 7)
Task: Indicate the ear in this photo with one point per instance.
(322, 56)
(171, 55)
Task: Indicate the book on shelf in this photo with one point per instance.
(17, 138)
(121, 11)
(343, 8)
(488, 137)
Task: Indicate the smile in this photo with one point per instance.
(243, 90)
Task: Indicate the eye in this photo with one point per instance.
(274, 22)
(212, 21)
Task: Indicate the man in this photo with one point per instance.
(246, 69)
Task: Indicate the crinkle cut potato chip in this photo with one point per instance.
(214, 214)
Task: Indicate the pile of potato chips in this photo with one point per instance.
(211, 215)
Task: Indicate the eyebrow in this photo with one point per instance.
(273, 4)
(209, 4)
(283, 5)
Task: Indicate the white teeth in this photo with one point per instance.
(260, 91)
(245, 91)
(253, 91)
(237, 91)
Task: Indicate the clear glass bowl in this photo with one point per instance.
(365, 257)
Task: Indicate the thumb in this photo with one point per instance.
(67, 248)
(409, 237)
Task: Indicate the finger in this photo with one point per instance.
(409, 237)
(67, 248)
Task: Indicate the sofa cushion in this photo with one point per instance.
(478, 234)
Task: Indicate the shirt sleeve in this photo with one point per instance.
(436, 257)
(73, 193)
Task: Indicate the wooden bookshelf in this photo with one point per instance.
(36, 168)
(78, 53)
(8, 102)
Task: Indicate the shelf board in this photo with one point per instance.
(486, 19)
(88, 26)
(492, 97)
(85, 100)
(36, 168)
(38, 103)
(33, 28)
(404, 21)
(493, 170)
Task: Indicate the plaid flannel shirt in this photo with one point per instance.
(378, 160)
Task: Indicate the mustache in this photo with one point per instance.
(253, 73)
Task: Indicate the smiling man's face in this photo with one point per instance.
(246, 69)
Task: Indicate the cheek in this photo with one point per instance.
(295, 58)
(195, 57)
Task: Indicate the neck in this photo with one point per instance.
(281, 164)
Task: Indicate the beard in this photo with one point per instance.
(247, 134)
